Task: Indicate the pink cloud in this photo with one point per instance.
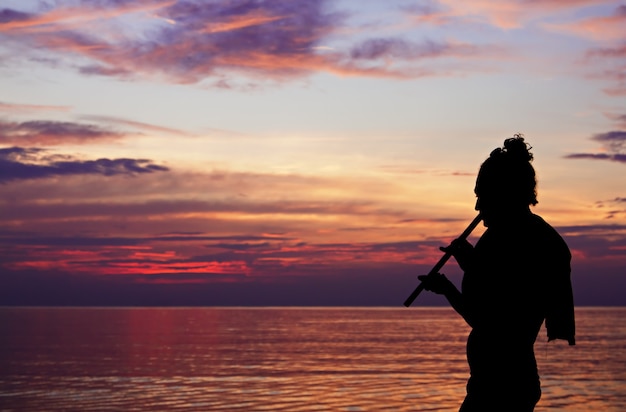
(43, 132)
(27, 108)
(241, 22)
(194, 229)
(608, 52)
(89, 223)
(75, 16)
(505, 15)
(614, 74)
(619, 119)
(601, 28)
(148, 127)
(186, 49)
(189, 43)
(618, 79)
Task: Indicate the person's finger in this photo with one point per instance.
(426, 281)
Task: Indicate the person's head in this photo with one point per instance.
(506, 182)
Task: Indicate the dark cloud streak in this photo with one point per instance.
(18, 163)
(614, 143)
(43, 132)
(10, 16)
(615, 140)
(395, 48)
(621, 158)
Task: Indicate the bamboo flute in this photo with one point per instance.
(442, 261)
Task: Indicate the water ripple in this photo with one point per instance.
(275, 359)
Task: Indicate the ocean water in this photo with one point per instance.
(281, 359)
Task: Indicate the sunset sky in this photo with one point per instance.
(293, 152)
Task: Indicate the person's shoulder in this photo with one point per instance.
(539, 221)
(546, 231)
(539, 224)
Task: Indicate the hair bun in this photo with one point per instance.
(517, 148)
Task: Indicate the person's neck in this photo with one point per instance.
(513, 216)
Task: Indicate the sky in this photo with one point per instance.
(249, 152)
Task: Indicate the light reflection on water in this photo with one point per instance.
(280, 359)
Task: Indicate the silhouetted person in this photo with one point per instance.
(517, 275)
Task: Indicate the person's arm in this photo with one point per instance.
(441, 285)
(462, 251)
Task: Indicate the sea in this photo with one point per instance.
(281, 359)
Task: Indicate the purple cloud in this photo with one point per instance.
(374, 49)
(104, 71)
(18, 163)
(611, 207)
(190, 42)
(10, 16)
(238, 35)
(43, 132)
(616, 52)
(613, 141)
(621, 158)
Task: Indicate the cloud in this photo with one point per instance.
(614, 143)
(20, 108)
(608, 52)
(183, 206)
(506, 15)
(137, 125)
(598, 156)
(429, 11)
(58, 288)
(74, 15)
(18, 163)
(596, 243)
(8, 16)
(201, 258)
(175, 229)
(105, 71)
(601, 28)
(612, 207)
(50, 133)
(43, 132)
(219, 203)
(587, 19)
(619, 119)
(272, 273)
(614, 140)
(396, 48)
(407, 170)
(182, 228)
(614, 57)
(618, 78)
(187, 42)
(264, 256)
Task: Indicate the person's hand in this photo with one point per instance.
(437, 283)
(462, 250)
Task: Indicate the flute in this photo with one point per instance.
(442, 261)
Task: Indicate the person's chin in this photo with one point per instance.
(486, 220)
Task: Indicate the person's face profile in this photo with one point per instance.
(487, 203)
